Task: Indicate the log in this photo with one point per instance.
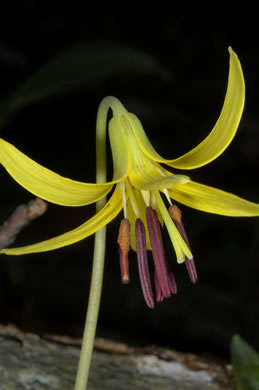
(31, 362)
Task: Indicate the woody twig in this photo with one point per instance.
(21, 217)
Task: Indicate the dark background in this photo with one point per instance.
(47, 293)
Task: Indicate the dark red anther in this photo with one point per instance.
(161, 269)
(191, 269)
(143, 263)
(176, 216)
(172, 283)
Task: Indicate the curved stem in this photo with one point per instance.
(92, 310)
(99, 247)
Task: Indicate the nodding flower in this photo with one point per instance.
(141, 186)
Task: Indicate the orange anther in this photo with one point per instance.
(124, 248)
(175, 214)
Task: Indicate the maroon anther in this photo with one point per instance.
(143, 269)
(176, 216)
(172, 282)
(191, 269)
(159, 295)
(163, 279)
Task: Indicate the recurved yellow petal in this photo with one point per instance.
(226, 126)
(120, 149)
(46, 184)
(213, 200)
(142, 139)
(220, 136)
(166, 182)
(102, 218)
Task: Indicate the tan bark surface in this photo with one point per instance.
(30, 362)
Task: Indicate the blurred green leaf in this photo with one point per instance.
(82, 65)
(245, 361)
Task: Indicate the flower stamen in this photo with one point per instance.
(176, 215)
(124, 248)
(124, 198)
(161, 270)
(173, 287)
(180, 246)
(165, 191)
(146, 197)
(143, 263)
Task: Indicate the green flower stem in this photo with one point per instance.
(99, 247)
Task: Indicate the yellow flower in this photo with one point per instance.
(139, 179)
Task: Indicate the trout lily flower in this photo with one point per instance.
(142, 185)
